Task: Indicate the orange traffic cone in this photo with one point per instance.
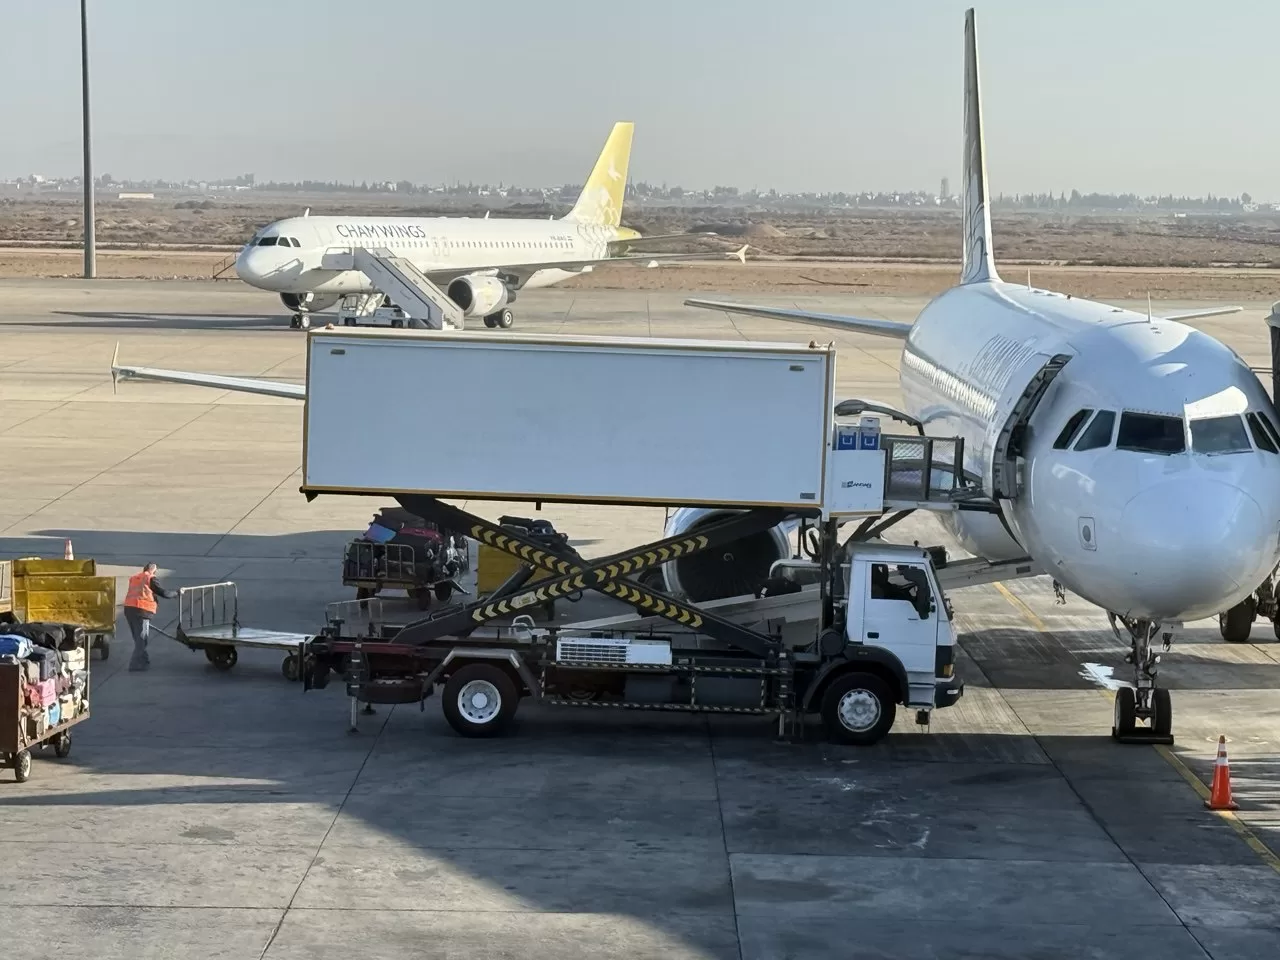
(1220, 792)
(67, 553)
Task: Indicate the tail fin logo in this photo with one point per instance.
(600, 202)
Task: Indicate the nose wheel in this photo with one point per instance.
(1143, 711)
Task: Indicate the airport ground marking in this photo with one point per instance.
(1242, 829)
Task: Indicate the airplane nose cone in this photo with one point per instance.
(1195, 548)
(246, 268)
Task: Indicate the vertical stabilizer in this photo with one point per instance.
(601, 199)
(979, 264)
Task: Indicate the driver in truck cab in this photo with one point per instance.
(884, 587)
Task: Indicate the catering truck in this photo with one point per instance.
(747, 429)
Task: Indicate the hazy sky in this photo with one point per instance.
(1110, 95)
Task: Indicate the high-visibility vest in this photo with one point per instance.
(140, 594)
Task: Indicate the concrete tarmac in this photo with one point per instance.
(229, 815)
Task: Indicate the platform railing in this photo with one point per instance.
(208, 605)
(923, 469)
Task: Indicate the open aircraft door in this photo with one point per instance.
(1005, 440)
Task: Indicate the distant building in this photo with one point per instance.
(136, 196)
(945, 192)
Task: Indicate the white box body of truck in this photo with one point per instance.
(568, 419)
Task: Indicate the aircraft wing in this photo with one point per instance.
(269, 388)
(633, 241)
(1199, 314)
(879, 328)
(523, 271)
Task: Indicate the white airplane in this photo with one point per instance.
(481, 263)
(1136, 459)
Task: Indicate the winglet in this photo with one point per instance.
(979, 263)
(115, 376)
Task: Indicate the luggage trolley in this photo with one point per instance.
(209, 620)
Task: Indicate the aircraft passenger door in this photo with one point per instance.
(1005, 448)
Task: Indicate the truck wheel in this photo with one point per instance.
(480, 700)
(104, 648)
(1235, 624)
(858, 709)
(443, 591)
(22, 765)
(62, 745)
(290, 667)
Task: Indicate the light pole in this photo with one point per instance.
(90, 254)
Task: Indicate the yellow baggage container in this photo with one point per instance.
(494, 566)
(39, 567)
(66, 591)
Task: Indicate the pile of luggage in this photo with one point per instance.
(54, 675)
(400, 549)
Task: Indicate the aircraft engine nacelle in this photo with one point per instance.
(479, 296)
(308, 302)
(732, 570)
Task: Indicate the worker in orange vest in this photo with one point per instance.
(139, 608)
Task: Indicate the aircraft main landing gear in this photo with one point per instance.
(501, 320)
(299, 321)
(1144, 702)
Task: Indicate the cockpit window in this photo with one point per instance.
(1260, 435)
(267, 241)
(1151, 433)
(1071, 429)
(1098, 433)
(1269, 426)
(1219, 435)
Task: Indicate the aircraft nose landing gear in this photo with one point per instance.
(1143, 711)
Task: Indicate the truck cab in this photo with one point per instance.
(891, 642)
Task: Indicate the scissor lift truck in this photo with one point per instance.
(743, 426)
(883, 638)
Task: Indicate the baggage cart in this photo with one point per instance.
(209, 620)
(22, 727)
(66, 591)
(373, 567)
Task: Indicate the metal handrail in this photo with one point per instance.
(217, 604)
(367, 613)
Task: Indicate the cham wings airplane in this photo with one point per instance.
(480, 263)
(1134, 458)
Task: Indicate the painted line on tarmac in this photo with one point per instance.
(1242, 829)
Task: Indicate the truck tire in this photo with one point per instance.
(1235, 624)
(62, 745)
(479, 700)
(103, 646)
(858, 709)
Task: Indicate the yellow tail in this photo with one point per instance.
(601, 199)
